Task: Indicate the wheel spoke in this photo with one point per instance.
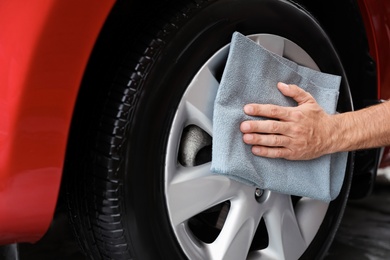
(310, 223)
(199, 99)
(240, 226)
(272, 43)
(285, 236)
(194, 189)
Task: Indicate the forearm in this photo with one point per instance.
(366, 128)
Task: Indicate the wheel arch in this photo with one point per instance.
(344, 21)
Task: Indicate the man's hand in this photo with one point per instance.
(298, 133)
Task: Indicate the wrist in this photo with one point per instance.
(362, 129)
(334, 137)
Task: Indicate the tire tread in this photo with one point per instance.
(95, 201)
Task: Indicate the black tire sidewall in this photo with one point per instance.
(182, 54)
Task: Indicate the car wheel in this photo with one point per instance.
(145, 191)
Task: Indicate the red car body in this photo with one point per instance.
(44, 49)
(45, 46)
(376, 16)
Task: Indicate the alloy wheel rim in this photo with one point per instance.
(269, 225)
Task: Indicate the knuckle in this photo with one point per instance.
(287, 142)
(308, 95)
(288, 113)
(277, 140)
(274, 126)
(259, 139)
(297, 130)
(255, 125)
(257, 109)
(266, 152)
(297, 115)
(278, 153)
(273, 111)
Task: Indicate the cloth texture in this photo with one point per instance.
(250, 76)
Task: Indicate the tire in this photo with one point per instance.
(125, 195)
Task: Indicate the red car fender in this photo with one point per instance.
(376, 16)
(44, 49)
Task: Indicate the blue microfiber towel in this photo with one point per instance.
(250, 76)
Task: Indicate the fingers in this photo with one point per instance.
(272, 140)
(271, 152)
(264, 126)
(286, 136)
(295, 92)
(267, 110)
(270, 146)
(279, 112)
(267, 140)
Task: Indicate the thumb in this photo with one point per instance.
(295, 92)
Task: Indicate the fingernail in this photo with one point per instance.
(283, 85)
(248, 137)
(245, 126)
(248, 109)
(255, 149)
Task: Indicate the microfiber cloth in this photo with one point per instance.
(250, 76)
